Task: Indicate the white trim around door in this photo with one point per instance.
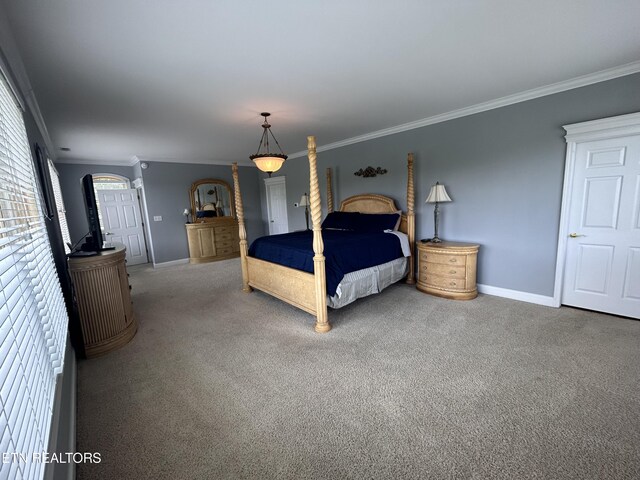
(603, 129)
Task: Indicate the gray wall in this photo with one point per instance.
(502, 168)
(166, 187)
(70, 177)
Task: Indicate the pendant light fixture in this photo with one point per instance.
(266, 161)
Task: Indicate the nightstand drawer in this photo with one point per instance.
(453, 271)
(448, 283)
(446, 259)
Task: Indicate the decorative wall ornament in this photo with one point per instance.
(370, 172)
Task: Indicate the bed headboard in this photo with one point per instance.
(373, 203)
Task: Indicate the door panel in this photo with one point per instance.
(122, 222)
(602, 269)
(594, 268)
(601, 202)
(632, 278)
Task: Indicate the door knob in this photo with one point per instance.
(576, 235)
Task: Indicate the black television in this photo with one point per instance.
(94, 241)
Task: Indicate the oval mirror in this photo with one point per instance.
(210, 199)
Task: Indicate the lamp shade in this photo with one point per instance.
(269, 164)
(186, 212)
(438, 194)
(304, 200)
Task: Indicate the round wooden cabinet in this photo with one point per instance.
(448, 269)
(103, 297)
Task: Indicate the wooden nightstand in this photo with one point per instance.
(448, 269)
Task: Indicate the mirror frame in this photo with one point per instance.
(217, 181)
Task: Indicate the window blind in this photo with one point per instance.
(62, 213)
(33, 319)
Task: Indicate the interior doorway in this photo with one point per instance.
(120, 215)
(276, 191)
(599, 247)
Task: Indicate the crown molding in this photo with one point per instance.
(193, 161)
(79, 161)
(137, 158)
(577, 82)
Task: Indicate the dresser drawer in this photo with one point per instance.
(225, 237)
(230, 230)
(453, 271)
(224, 244)
(224, 250)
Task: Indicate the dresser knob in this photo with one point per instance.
(453, 260)
(453, 284)
(453, 272)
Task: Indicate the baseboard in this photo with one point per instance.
(517, 295)
(181, 261)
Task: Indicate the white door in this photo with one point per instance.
(277, 205)
(602, 270)
(122, 222)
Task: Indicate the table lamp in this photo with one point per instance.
(304, 202)
(437, 195)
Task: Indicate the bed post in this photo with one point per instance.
(411, 220)
(241, 229)
(322, 323)
(329, 191)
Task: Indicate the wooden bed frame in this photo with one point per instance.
(305, 290)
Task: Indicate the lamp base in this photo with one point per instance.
(436, 240)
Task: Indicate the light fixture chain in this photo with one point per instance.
(275, 140)
(264, 134)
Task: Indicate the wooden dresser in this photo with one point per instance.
(103, 297)
(448, 269)
(216, 239)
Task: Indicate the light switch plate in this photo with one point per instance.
(157, 218)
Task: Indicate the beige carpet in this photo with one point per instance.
(222, 384)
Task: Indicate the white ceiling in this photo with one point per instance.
(186, 80)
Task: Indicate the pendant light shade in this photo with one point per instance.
(265, 160)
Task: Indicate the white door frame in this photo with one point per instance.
(138, 184)
(276, 181)
(603, 129)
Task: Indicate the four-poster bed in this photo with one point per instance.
(308, 291)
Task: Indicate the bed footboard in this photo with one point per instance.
(289, 285)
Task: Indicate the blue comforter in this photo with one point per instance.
(345, 251)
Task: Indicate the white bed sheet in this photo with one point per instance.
(368, 281)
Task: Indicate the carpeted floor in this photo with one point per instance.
(222, 384)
